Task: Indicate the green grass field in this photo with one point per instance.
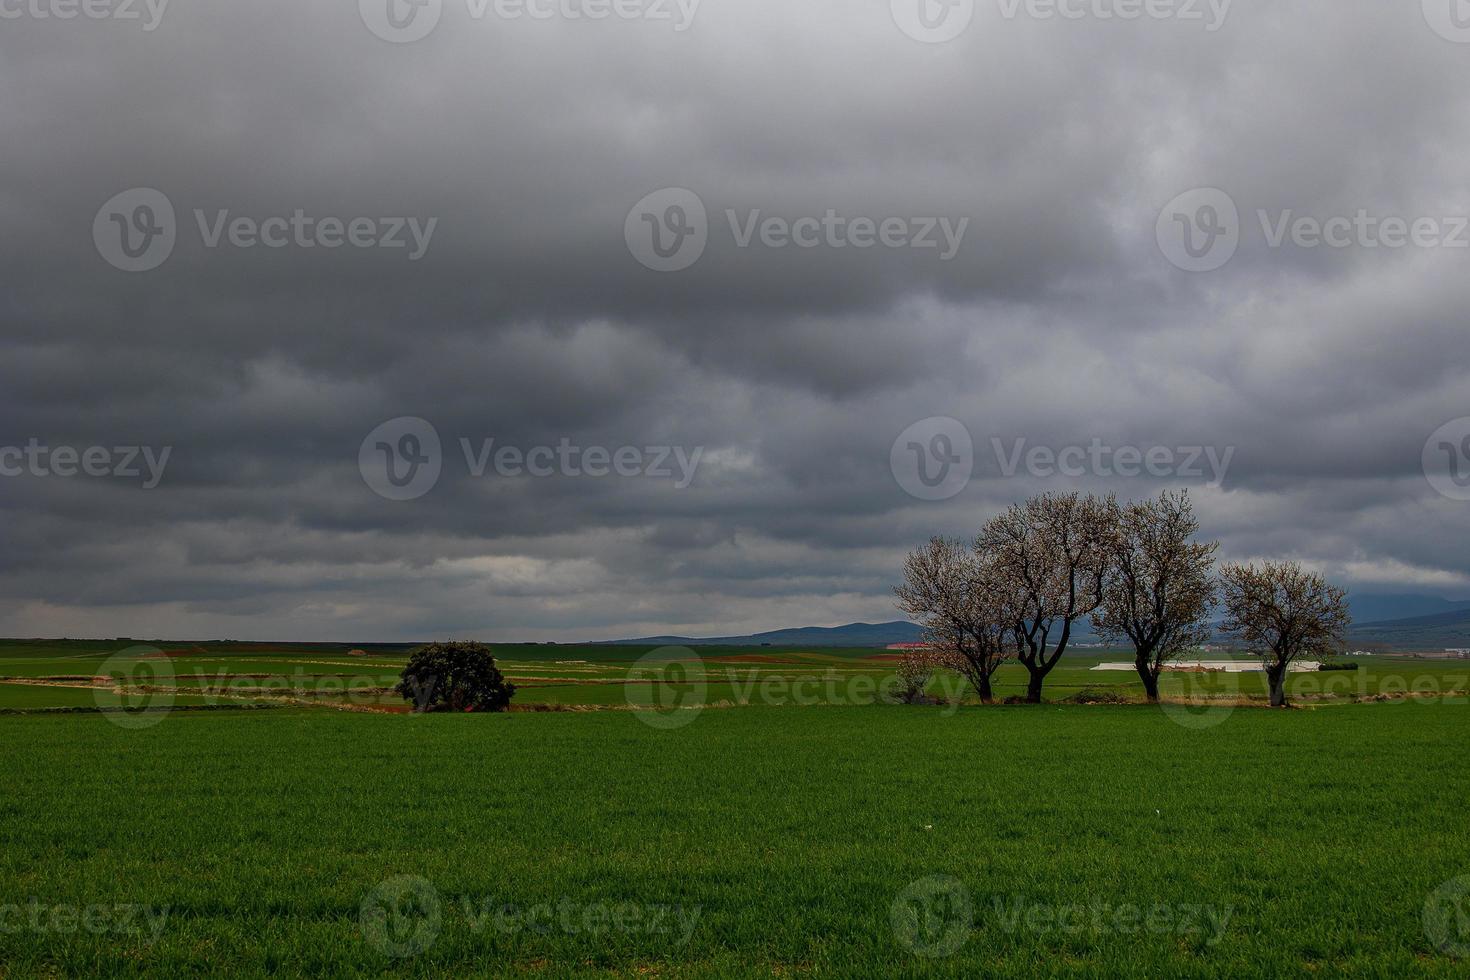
(803, 834)
(790, 834)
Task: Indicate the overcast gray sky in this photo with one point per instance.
(532, 152)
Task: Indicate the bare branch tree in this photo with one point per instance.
(1281, 611)
(946, 590)
(1049, 558)
(1159, 595)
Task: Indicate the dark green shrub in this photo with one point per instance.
(455, 676)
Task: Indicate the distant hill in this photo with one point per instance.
(851, 635)
(1436, 632)
(1404, 622)
(1370, 608)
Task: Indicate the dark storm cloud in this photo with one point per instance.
(1059, 320)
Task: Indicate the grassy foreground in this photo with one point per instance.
(754, 841)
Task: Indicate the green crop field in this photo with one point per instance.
(761, 813)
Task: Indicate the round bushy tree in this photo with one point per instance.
(455, 676)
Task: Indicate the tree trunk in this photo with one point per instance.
(986, 695)
(1150, 682)
(1277, 676)
(1033, 686)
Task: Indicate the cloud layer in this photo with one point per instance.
(1060, 321)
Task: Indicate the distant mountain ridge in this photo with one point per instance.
(851, 635)
(1441, 631)
(1370, 608)
(1409, 622)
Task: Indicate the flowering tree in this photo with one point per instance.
(1159, 594)
(1048, 561)
(1280, 612)
(947, 589)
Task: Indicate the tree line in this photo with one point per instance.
(1018, 589)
